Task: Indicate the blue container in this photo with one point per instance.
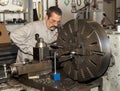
(56, 76)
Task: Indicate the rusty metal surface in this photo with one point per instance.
(14, 85)
(29, 68)
(7, 54)
(84, 52)
(41, 84)
(7, 57)
(46, 83)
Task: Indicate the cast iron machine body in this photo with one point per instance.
(83, 51)
(40, 63)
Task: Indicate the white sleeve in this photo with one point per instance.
(20, 38)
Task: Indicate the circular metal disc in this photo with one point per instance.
(84, 51)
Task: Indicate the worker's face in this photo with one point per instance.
(53, 21)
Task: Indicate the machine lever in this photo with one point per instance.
(37, 37)
(55, 46)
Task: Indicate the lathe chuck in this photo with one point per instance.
(84, 50)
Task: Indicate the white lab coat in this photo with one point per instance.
(24, 38)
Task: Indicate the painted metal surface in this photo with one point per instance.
(13, 85)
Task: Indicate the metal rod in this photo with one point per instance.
(30, 10)
(55, 62)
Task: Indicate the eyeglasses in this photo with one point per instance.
(54, 21)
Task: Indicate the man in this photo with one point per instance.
(24, 37)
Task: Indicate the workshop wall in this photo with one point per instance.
(67, 15)
(66, 9)
(11, 6)
(65, 5)
(6, 15)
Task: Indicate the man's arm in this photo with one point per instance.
(21, 36)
